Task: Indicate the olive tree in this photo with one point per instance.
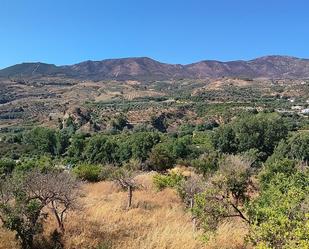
(279, 214)
(225, 193)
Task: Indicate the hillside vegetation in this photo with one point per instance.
(94, 161)
(238, 184)
(157, 220)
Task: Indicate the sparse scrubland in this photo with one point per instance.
(181, 169)
(156, 220)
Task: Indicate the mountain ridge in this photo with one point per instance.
(145, 68)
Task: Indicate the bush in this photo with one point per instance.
(172, 180)
(44, 140)
(271, 169)
(88, 172)
(42, 164)
(206, 163)
(279, 215)
(120, 122)
(161, 157)
(225, 194)
(262, 132)
(295, 147)
(107, 172)
(6, 167)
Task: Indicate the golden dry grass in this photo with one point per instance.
(230, 235)
(7, 240)
(157, 220)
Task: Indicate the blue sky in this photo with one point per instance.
(174, 31)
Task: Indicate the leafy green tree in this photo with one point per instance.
(120, 122)
(77, 147)
(161, 157)
(159, 122)
(225, 194)
(6, 167)
(186, 129)
(279, 215)
(224, 139)
(63, 140)
(203, 140)
(124, 149)
(182, 147)
(262, 132)
(135, 146)
(43, 139)
(70, 123)
(294, 147)
(101, 149)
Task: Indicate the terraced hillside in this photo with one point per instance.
(50, 100)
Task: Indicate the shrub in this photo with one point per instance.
(206, 163)
(171, 180)
(262, 132)
(42, 163)
(295, 147)
(161, 157)
(225, 194)
(284, 166)
(120, 122)
(88, 172)
(6, 167)
(279, 215)
(107, 172)
(44, 140)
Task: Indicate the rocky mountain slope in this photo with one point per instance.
(144, 68)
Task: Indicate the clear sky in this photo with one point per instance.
(173, 31)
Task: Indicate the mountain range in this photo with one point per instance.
(144, 68)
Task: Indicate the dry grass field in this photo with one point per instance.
(157, 220)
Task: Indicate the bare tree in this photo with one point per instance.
(20, 212)
(125, 179)
(23, 200)
(193, 185)
(58, 190)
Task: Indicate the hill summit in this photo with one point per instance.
(144, 68)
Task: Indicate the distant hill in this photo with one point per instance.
(128, 68)
(30, 69)
(265, 67)
(144, 68)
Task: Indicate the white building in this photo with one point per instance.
(296, 107)
(305, 111)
